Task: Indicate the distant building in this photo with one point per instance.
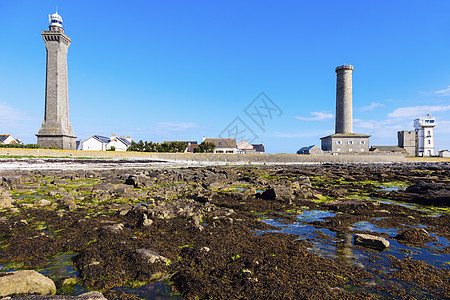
(313, 149)
(7, 139)
(103, 143)
(225, 145)
(407, 141)
(444, 153)
(388, 150)
(259, 148)
(191, 145)
(119, 143)
(245, 147)
(425, 135)
(345, 142)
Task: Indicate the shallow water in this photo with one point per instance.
(338, 246)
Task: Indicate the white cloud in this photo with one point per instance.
(415, 111)
(443, 92)
(10, 116)
(174, 126)
(371, 106)
(318, 116)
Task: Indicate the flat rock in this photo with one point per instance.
(371, 241)
(151, 256)
(25, 282)
(86, 296)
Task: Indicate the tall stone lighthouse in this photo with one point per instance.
(56, 130)
(344, 91)
(344, 140)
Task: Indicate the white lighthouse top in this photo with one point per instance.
(428, 121)
(55, 20)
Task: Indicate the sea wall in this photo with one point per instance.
(206, 157)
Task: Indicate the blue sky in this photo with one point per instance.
(180, 70)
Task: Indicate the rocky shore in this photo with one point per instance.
(222, 232)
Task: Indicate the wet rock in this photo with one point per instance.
(145, 221)
(430, 193)
(150, 256)
(371, 241)
(25, 282)
(114, 227)
(12, 181)
(5, 199)
(278, 193)
(42, 202)
(415, 236)
(86, 296)
(139, 181)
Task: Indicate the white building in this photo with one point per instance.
(225, 145)
(425, 135)
(8, 139)
(103, 143)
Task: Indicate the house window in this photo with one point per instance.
(429, 142)
(338, 142)
(350, 142)
(363, 142)
(220, 143)
(429, 132)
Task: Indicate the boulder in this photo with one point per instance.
(86, 296)
(371, 241)
(25, 282)
(5, 199)
(279, 193)
(12, 181)
(150, 256)
(416, 236)
(42, 202)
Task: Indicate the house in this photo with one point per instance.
(103, 143)
(6, 139)
(226, 145)
(259, 148)
(444, 153)
(245, 147)
(119, 143)
(345, 142)
(388, 149)
(313, 149)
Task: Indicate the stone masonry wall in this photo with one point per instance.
(208, 157)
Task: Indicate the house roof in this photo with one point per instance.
(244, 145)
(388, 149)
(223, 143)
(346, 135)
(259, 147)
(184, 142)
(3, 137)
(306, 149)
(102, 139)
(125, 141)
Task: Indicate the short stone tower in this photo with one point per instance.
(344, 111)
(407, 141)
(56, 130)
